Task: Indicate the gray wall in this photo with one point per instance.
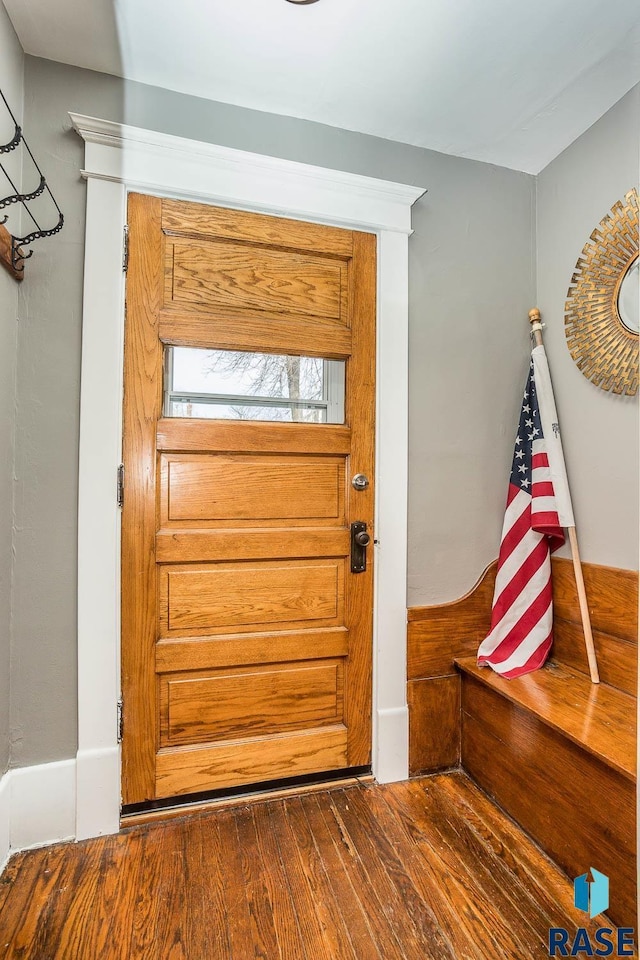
(11, 83)
(472, 283)
(600, 431)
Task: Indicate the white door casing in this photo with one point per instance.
(120, 159)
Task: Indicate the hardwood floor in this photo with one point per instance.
(423, 869)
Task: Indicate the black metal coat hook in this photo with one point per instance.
(18, 256)
(14, 254)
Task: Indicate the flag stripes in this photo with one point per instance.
(522, 613)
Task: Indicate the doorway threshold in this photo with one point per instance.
(152, 811)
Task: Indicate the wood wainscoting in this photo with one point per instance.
(440, 634)
(436, 636)
(613, 604)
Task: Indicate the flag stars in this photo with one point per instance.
(528, 423)
(522, 468)
(526, 408)
(518, 440)
(535, 432)
(519, 454)
(525, 483)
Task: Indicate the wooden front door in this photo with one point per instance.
(246, 637)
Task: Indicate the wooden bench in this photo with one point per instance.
(557, 752)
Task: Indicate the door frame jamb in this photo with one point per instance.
(120, 159)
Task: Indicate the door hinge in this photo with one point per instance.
(125, 247)
(120, 486)
(120, 719)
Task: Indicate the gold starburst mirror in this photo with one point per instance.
(603, 303)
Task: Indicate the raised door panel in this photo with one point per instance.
(247, 702)
(217, 598)
(218, 489)
(218, 275)
(233, 763)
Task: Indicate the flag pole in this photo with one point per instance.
(536, 329)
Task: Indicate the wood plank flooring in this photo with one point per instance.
(427, 869)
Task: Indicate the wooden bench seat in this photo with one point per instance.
(597, 717)
(558, 754)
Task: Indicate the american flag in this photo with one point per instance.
(538, 507)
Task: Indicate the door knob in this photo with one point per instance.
(360, 482)
(363, 539)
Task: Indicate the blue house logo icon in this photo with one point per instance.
(591, 892)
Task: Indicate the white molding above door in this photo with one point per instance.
(120, 159)
(157, 163)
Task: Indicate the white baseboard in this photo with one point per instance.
(392, 754)
(38, 805)
(98, 792)
(66, 800)
(5, 820)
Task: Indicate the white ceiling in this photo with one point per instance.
(509, 82)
